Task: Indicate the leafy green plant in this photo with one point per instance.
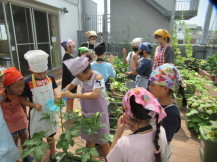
(180, 61)
(211, 130)
(193, 79)
(210, 65)
(202, 111)
(88, 126)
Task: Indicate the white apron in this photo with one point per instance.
(40, 96)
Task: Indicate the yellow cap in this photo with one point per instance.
(162, 32)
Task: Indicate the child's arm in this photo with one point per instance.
(134, 61)
(24, 101)
(70, 86)
(89, 96)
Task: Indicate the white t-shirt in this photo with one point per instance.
(129, 60)
(138, 147)
(97, 84)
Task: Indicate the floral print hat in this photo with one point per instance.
(167, 75)
(146, 99)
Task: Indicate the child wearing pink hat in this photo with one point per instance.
(146, 143)
(92, 96)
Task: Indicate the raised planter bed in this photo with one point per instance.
(205, 73)
(207, 148)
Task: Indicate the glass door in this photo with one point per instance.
(42, 33)
(23, 31)
(5, 57)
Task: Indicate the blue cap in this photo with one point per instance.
(145, 46)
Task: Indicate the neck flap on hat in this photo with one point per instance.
(167, 75)
(146, 99)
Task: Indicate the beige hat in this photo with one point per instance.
(90, 33)
(137, 41)
(37, 60)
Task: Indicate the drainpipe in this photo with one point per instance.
(207, 23)
(172, 18)
(105, 31)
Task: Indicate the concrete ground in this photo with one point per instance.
(185, 145)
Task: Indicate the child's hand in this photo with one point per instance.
(124, 52)
(111, 58)
(138, 51)
(127, 73)
(120, 126)
(56, 99)
(67, 94)
(38, 107)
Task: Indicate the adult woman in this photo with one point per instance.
(164, 52)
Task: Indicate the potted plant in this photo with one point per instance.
(201, 110)
(208, 144)
(89, 126)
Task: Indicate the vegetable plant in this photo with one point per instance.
(202, 111)
(89, 126)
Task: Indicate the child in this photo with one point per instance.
(104, 68)
(144, 66)
(146, 143)
(128, 59)
(165, 79)
(14, 114)
(92, 96)
(39, 88)
(83, 50)
(8, 149)
(67, 77)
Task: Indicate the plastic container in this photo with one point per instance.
(208, 148)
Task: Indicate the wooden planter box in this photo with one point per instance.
(208, 148)
(205, 73)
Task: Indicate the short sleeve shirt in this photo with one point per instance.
(40, 82)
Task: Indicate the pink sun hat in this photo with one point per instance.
(146, 99)
(77, 65)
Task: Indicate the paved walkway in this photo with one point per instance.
(185, 145)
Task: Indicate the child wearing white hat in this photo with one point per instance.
(92, 96)
(39, 88)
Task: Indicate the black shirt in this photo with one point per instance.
(172, 122)
(67, 77)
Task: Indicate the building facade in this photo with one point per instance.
(38, 24)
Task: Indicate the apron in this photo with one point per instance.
(90, 107)
(141, 81)
(40, 96)
(159, 56)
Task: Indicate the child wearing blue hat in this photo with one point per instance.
(143, 67)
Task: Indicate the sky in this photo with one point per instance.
(199, 19)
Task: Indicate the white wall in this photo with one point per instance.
(69, 23)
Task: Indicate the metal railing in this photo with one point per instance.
(186, 5)
(92, 22)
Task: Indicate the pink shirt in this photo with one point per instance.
(138, 147)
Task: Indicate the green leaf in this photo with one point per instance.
(27, 151)
(85, 157)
